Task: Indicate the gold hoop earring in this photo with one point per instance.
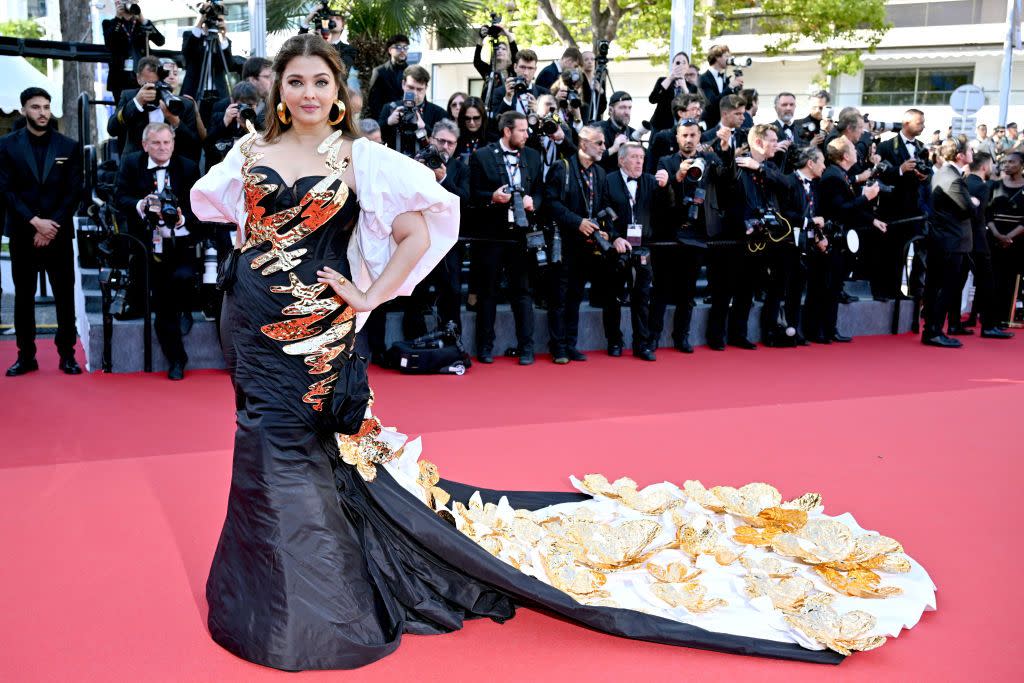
(341, 112)
(283, 115)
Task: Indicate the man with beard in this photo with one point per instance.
(40, 181)
(663, 143)
(785, 108)
(616, 128)
(386, 80)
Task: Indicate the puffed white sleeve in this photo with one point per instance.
(389, 184)
(219, 197)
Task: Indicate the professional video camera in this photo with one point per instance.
(430, 157)
(602, 52)
(737, 64)
(323, 18)
(212, 12)
(439, 352)
(493, 29)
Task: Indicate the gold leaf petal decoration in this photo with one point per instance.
(842, 633)
(690, 595)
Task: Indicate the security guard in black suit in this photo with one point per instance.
(494, 171)
(41, 183)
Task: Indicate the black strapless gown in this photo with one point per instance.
(315, 567)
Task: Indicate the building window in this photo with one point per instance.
(911, 87)
(35, 9)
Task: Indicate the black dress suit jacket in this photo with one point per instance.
(499, 97)
(610, 162)
(718, 181)
(129, 121)
(982, 191)
(617, 197)
(905, 199)
(431, 114)
(837, 201)
(793, 202)
(663, 143)
(661, 98)
(126, 40)
(565, 200)
(952, 210)
(548, 75)
(54, 195)
(192, 49)
(487, 172)
(135, 181)
(385, 86)
(739, 137)
(709, 88)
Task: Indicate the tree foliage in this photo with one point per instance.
(25, 28)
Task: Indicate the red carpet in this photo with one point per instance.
(112, 492)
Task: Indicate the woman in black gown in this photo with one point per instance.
(328, 552)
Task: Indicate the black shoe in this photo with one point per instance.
(684, 346)
(186, 323)
(615, 350)
(800, 340)
(995, 333)
(743, 343)
(880, 299)
(576, 355)
(485, 357)
(22, 367)
(841, 338)
(644, 354)
(69, 366)
(959, 331)
(821, 340)
(845, 298)
(716, 346)
(176, 371)
(972, 321)
(526, 357)
(942, 341)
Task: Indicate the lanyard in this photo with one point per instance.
(589, 191)
(511, 169)
(632, 199)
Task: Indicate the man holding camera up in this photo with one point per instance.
(127, 36)
(330, 24)
(153, 103)
(245, 103)
(196, 43)
(691, 215)
(571, 59)
(731, 115)
(506, 184)
(631, 194)
(257, 72)
(153, 194)
(616, 128)
(406, 123)
(663, 143)
(716, 84)
(549, 134)
(519, 92)
(575, 197)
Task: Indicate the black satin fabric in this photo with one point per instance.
(316, 568)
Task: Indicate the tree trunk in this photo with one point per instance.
(75, 27)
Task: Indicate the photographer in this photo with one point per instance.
(575, 197)
(571, 60)
(153, 194)
(616, 128)
(948, 241)
(731, 117)
(691, 214)
(663, 142)
(789, 135)
(505, 185)
(549, 134)
(194, 46)
(631, 194)
(567, 91)
(593, 89)
(330, 24)
(814, 122)
(837, 202)
(387, 79)
(909, 177)
(370, 130)
(850, 124)
(519, 93)
(405, 123)
(715, 83)
(257, 72)
(152, 103)
(127, 36)
(665, 92)
(245, 102)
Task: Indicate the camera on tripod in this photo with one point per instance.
(493, 29)
(212, 13)
(430, 157)
(323, 19)
(602, 52)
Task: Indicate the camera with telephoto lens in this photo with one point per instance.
(533, 240)
(924, 164)
(407, 119)
(493, 29)
(212, 13)
(174, 104)
(430, 157)
(543, 125)
(323, 18)
(880, 169)
(608, 215)
(519, 86)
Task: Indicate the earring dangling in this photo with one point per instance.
(340, 106)
(283, 114)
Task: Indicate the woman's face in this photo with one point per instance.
(309, 90)
(455, 107)
(502, 55)
(474, 119)
(562, 93)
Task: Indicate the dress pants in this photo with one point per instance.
(784, 288)
(675, 281)
(639, 278)
(825, 276)
(984, 290)
(57, 260)
(941, 286)
(729, 271)
(568, 281)
(172, 280)
(493, 259)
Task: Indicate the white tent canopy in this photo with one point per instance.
(16, 74)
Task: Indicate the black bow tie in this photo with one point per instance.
(630, 180)
(158, 168)
(511, 154)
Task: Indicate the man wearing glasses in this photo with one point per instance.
(386, 79)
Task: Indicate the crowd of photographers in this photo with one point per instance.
(560, 190)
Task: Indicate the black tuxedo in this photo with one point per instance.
(193, 49)
(410, 144)
(784, 159)
(980, 259)
(502, 106)
(662, 143)
(129, 121)
(52, 191)
(548, 75)
(488, 172)
(610, 162)
(837, 201)
(710, 137)
(447, 275)
(712, 93)
(385, 86)
(662, 118)
(905, 199)
(216, 131)
(949, 239)
(126, 40)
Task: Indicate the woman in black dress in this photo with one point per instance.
(338, 538)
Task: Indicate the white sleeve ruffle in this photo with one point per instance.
(389, 184)
(219, 197)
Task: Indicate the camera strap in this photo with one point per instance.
(587, 187)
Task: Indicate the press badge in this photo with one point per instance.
(634, 234)
(129, 65)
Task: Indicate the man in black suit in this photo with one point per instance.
(522, 101)
(631, 193)
(257, 72)
(574, 195)
(126, 36)
(41, 183)
(386, 79)
(948, 241)
(331, 30)
(716, 84)
(813, 122)
(663, 142)
(494, 171)
(690, 213)
(616, 128)
(785, 108)
(194, 49)
(572, 58)
(405, 138)
(141, 180)
(732, 111)
(910, 185)
(142, 106)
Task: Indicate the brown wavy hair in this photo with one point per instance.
(307, 45)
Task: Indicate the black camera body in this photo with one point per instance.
(213, 13)
(807, 130)
(573, 100)
(765, 225)
(174, 104)
(492, 29)
(544, 125)
(519, 86)
(533, 240)
(407, 119)
(430, 157)
(168, 212)
(880, 169)
(882, 187)
(602, 52)
(246, 112)
(322, 19)
(605, 215)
